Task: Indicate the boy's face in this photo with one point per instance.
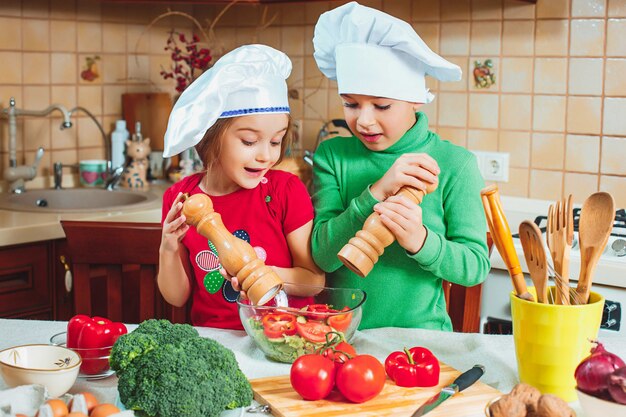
(378, 122)
(251, 145)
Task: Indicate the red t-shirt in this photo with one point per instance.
(262, 216)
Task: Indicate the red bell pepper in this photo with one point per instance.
(92, 337)
(415, 367)
(276, 325)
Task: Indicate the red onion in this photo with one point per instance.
(592, 373)
(617, 385)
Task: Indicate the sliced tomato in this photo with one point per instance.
(279, 324)
(313, 331)
(340, 322)
(317, 311)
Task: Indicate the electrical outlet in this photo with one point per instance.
(494, 166)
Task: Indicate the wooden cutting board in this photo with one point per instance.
(152, 110)
(392, 401)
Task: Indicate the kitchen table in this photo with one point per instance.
(459, 350)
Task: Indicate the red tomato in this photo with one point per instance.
(361, 378)
(340, 322)
(339, 354)
(318, 311)
(312, 376)
(278, 324)
(313, 331)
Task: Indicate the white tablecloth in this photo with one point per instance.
(459, 350)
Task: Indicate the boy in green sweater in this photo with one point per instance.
(379, 63)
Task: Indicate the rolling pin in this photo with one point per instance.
(238, 257)
(361, 252)
(501, 234)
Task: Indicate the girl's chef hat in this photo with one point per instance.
(369, 52)
(247, 80)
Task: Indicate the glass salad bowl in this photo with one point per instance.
(95, 361)
(290, 326)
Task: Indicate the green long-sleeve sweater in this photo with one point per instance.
(402, 290)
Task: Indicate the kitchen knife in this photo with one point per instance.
(463, 381)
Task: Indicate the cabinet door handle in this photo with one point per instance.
(68, 274)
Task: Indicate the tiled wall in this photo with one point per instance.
(558, 105)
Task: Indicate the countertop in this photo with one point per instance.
(459, 350)
(18, 227)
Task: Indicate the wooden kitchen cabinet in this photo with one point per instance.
(25, 285)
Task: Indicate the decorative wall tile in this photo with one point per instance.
(585, 76)
(63, 68)
(615, 82)
(587, 37)
(547, 150)
(584, 114)
(457, 136)
(12, 26)
(64, 94)
(455, 85)
(63, 35)
(616, 33)
(429, 32)
(486, 10)
(89, 37)
(514, 9)
(588, 8)
(489, 77)
(90, 97)
(550, 75)
(518, 38)
(425, 10)
(552, 37)
(518, 183)
(614, 120)
(580, 186)
(455, 10)
(613, 154)
(113, 37)
(582, 153)
(515, 112)
(546, 185)
(485, 38)
(35, 35)
(517, 144)
(549, 113)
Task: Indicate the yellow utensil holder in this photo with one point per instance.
(551, 340)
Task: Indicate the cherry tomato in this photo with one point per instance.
(361, 378)
(313, 331)
(339, 354)
(278, 324)
(312, 376)
(340, 322)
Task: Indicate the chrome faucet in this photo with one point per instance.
(15, 174)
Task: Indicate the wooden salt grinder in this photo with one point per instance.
(363, 250)
(237, 256)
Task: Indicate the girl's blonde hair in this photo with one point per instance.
(209, 148)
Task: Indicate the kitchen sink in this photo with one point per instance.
(76, 200)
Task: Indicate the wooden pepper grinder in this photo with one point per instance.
(362, 251)
(237, 256)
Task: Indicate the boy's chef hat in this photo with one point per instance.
(370, 52)
(247, 80)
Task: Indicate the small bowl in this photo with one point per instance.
(597, 407)
(95, 361)
(310, 324)
(54, 367)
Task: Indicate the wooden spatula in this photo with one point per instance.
(594, 229)
(532, 243)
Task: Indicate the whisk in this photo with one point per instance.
(560, 287)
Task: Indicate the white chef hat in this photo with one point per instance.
(370, 52)
(247, 80)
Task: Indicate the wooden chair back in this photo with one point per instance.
(463, 303)
(114, 266)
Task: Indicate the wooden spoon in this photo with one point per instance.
(532, 243)
(594, 229)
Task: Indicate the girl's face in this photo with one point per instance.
(250, 147)
(378, 122)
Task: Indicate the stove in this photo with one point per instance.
(609, 276)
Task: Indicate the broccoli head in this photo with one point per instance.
(186, 375)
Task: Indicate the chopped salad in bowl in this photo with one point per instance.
(290, 326)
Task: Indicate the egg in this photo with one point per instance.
(83, 402)
(53, 408)
(104, 410)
